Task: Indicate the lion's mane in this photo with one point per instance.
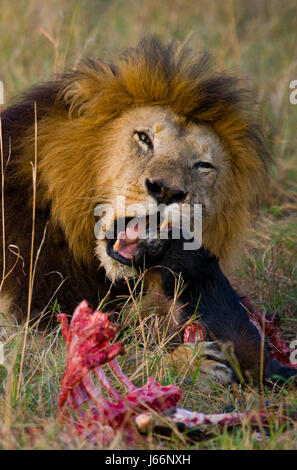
(74, 113)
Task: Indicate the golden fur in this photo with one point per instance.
(85, 156)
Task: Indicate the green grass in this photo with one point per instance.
(257, 38)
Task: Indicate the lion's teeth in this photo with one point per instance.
(116, 246)
(164, 223)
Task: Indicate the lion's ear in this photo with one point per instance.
(82, 87)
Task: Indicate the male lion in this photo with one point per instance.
(158, 125)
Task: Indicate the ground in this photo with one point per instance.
(256, 38)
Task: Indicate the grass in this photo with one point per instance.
(256, 38)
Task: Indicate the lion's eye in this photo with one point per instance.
(204, 165)
(144, 138)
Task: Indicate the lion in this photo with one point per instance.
(157, 125)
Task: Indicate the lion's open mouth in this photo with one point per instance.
(129, 231)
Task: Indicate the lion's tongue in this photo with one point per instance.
(129, 238)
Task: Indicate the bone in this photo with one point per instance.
(143, 421)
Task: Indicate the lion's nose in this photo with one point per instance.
(163, 193)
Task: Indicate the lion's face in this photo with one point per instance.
(156, 157)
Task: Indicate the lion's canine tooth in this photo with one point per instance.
(116, 246)
(164, 223)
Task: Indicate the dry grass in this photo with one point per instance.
(257, 38)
